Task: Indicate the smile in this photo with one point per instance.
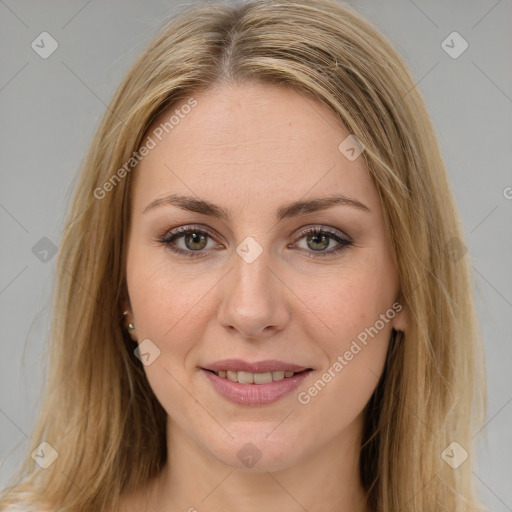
(254, 378)
(246, 388)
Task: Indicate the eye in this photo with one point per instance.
(195, 241)
(319, 239)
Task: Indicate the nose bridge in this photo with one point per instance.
(253, 301)
(252, 270)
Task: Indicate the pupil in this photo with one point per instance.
(196, 239)
(315, 240)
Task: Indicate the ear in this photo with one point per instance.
(400, 320)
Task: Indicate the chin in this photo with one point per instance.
(256, 453)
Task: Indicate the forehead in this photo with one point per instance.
(255, 140)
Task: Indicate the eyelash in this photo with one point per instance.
(169, 237)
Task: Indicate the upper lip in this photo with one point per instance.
(256, 367)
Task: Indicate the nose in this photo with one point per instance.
(254, 299)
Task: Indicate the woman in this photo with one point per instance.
(261, 304)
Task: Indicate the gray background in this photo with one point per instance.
(51, 107)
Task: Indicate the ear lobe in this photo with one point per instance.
(399, 322)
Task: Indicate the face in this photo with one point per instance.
(248, 277)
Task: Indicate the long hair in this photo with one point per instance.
(98, 407)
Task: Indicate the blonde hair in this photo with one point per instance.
(98, 406)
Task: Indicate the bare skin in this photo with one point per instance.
(252, 149)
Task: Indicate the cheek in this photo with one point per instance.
(166, 307)
(355, 354)
(357, 308)
(169, 304)
(355, 301)
(162, 297)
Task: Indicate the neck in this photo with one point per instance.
(324, 480)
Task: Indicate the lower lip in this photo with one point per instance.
(255, 394)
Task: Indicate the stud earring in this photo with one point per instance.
(130, 325)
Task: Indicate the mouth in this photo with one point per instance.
(258, 388)
(244, 377)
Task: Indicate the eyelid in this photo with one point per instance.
(342, 239)
(324, 229)
(180, 230)
(302, 232)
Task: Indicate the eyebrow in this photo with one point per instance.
(289, 210)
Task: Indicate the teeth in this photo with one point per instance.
(232, 376)
(253, 378)
(245, 378)
(262, 378)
